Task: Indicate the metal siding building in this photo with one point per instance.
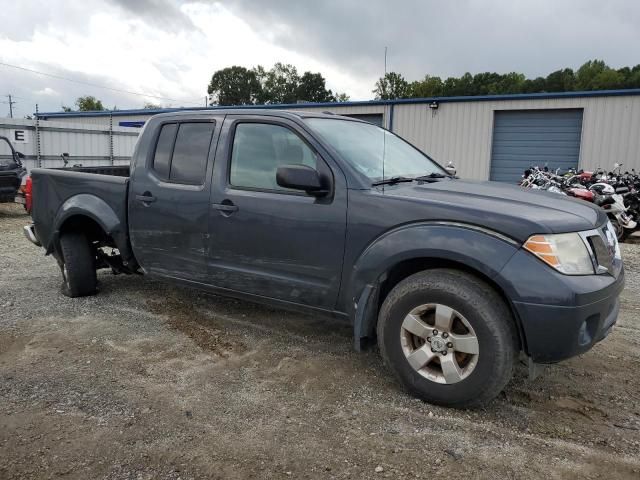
(461, 129)
(87, 144)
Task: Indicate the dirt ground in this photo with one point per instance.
(150, 381)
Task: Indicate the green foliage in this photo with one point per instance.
(89, 103)
(235, 86)
(312, 88)
(391, 86)
(281, 84)
(593, 75)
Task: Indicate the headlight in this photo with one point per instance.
(566, 252)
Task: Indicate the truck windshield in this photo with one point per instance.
(365, 146)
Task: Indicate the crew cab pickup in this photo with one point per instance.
(328, 214)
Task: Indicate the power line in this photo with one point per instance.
(59, 77)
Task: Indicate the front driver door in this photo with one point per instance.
(267, 240)
(169, 208)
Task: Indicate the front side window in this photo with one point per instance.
(259, 149)
(182, 151)
(368, 147)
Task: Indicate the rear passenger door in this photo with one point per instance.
(169, 208)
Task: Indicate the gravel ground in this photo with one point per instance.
(149, 381)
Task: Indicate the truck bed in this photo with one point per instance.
(57, 192)
(115, 170)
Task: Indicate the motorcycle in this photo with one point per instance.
(616, 193)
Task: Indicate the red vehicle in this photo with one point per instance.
(581, 193)
(24, 194)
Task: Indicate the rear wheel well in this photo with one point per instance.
(406, 268)
(89, 227)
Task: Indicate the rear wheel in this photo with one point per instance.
(448, 337)
(78, 265)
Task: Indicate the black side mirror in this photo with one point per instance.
(20, 154)
(300, 177)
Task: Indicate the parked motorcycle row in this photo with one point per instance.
(616, 192)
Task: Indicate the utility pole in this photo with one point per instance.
(10, 102)
(385, 61)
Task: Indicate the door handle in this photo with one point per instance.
(146, 197)
(226, 208)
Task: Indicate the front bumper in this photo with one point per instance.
(562, 316)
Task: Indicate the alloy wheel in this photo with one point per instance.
(439, 343)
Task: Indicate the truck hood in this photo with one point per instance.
(508, 209)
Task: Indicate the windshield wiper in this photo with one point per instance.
(392, 181)
(432, 176)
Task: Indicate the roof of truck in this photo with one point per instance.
(257, 112)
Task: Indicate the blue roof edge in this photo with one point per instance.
(360, 103)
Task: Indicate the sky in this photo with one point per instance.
(168, 49)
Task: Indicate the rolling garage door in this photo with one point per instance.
(527, 138)
(375, 118)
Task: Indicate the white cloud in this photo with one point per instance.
(170, 48)
(47, 92)
(116, 49)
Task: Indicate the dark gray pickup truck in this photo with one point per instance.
(336, 216)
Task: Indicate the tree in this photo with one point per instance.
(151, 106)
(391, 86)
(235, 86)
(340, 97)
(280, 84)
(560, 81)
(89, 103)
(312, 88)
(427, 87)
(588, 72)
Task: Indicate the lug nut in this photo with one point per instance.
(435, 332)
(445, 335)
(444, 352)
(429, 339)
(449, 345)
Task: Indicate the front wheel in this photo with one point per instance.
(448, 337)
(78, 264)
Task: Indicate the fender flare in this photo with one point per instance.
(477, 248)
(93, 207)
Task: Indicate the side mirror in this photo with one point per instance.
(20, 154)
(300, 177)
(451, 169)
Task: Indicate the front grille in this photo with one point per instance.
(606, 250)
(601, 251)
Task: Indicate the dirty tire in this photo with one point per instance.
(78, 267)
(482, 308)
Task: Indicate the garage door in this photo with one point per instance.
(527, 138)
(375, 118)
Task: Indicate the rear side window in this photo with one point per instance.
(190, 153)
(164, 148)
(182, 151)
